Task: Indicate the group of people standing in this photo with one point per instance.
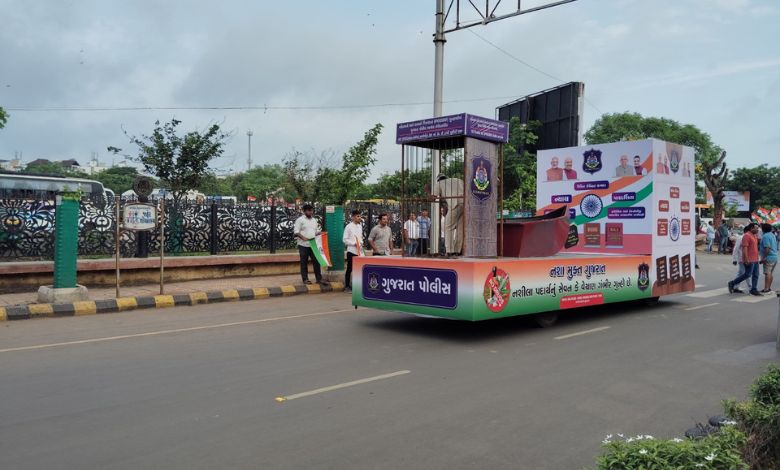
(750, 251)
(723, 234)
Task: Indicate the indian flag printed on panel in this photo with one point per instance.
(319, 246)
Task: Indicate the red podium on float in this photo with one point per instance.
(614, 223)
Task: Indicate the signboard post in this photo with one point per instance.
(140, 218)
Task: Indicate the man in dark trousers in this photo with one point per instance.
(305, 229)
(723, 243)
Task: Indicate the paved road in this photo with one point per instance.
(200, 387)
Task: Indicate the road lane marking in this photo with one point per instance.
(699, 286)
(703, 306)
(709, 293)
(177, 330)
(579, 333)
(285, 398)
(751, 299)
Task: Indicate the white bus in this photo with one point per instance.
(21, 186)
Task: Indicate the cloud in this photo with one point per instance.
(717, 72)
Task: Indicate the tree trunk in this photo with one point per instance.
(715, 177)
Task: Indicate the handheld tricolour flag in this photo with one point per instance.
(319, 245)
(358, 247)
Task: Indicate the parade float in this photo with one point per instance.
(614, 223)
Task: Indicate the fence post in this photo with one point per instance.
(368, 222)
(66, 227)
(272, 235)
(214, 235)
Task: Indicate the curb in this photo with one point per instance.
(122, 304)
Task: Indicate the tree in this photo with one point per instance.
(118, 178)
(520, 166)
(3, 117)
(319, 179)
(763, 182)
(259, 181)
(50, 169)
(180, 162)
(356, 166)
(710, 159)
(715, 176)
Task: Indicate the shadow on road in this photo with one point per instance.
(520, 326)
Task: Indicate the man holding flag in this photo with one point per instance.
(353, 240)
(305, 230)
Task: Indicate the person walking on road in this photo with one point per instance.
(353, 240)
(723, 243)
(749, 259)
(380, 237)
(710, 236)
(305, 229)
(736, 260)
(768, 250)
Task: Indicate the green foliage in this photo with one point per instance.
(718, 451)
(634, 126)
(119, 178)
(520, 166)
(759, 419)
(710, 159)
(355, 167)
(313, 179)
(258, 182)
(50, 169)
(3, 117)
(180, 162)
(762, 181)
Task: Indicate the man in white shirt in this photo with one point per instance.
(736, 259)
(450, 190)
(305, 229)
(353, 240)
(411, 234)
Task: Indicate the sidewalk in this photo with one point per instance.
(174, 288)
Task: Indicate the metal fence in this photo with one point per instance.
(27, 228)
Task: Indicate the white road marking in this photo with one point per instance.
(703, 306)
(751, 299)
(709, 293)
(699, 286)
(579, 333)
(177, 330)
(340, 386)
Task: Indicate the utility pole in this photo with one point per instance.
(438, 84)
(249, 135)
(486, 16)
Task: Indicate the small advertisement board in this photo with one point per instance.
(139, 217)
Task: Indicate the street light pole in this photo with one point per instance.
(249, 135)
(438, 92)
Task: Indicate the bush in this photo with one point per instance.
(759, 419)
(717, 451)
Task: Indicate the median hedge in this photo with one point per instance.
(750, 439)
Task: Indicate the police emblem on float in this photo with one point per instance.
(591, 206)
(373, 282)
(480, 183)
(643, 278)
(674, 160)
(592, 161)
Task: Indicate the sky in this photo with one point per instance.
(711, 63)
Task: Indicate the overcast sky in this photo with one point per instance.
(711, 63)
